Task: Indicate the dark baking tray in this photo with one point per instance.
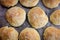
(3, 21)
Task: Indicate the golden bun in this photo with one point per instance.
(55, 17)
(51, 3)
(8, 33)
(16, 16)
(29, 3)
(8, 3)
(37, 17)
(29, 34)
(52, 33)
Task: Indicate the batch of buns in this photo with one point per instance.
(36, 17)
